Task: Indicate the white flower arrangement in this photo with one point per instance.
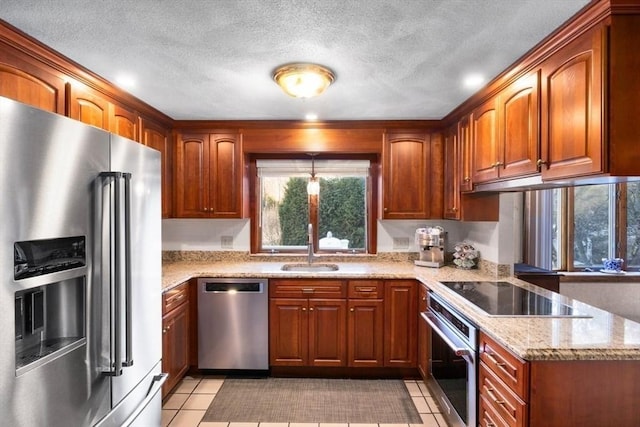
(465, 255)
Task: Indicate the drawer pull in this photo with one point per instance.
(502, 365)
(365, 289)
(175, 298)
(307, 290)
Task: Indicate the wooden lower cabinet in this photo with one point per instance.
(555, 393)
(365, 332)
(347, 327)
(175, 335)
(400, 323)
(307, 331)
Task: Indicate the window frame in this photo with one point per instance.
(371, 192)
(617, 246)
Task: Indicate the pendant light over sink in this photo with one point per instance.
(313, 186)
(303, 80)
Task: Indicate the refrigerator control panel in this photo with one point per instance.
(38, 257)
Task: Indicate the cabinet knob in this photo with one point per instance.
(467, 179)
(386, 209)
(540, 162)
(310, 308)
(454, 209)
(164, 331)
(497, 164)
(304, 309)
(352, 309)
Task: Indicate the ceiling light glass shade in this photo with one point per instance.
(303, 80)
(313, 187)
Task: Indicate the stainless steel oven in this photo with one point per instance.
(453, 361)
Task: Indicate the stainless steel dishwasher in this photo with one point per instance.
(233, 324)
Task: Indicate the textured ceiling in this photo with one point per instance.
(199, 59)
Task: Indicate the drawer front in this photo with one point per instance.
(509, 368)
(487, 416)
(502, 400)
(307, 289)
(175, 297)
(365, 289)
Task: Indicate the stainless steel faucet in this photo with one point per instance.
(310, 245)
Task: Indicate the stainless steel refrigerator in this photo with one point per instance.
(80, 269)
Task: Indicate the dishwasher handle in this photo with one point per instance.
(233, 288)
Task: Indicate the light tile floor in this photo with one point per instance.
(186, 406)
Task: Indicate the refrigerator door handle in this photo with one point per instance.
(154, 389)
(112, 216)
(126, 177)
(120, 246)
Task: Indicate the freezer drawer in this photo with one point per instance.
(233, 317)
(141, 407)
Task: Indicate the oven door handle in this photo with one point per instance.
(458, 347)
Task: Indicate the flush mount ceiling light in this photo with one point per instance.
(303, 80)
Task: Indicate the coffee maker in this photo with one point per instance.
(430, 242)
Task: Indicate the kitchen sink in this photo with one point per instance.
(310, 268)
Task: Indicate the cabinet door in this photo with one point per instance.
(88, 106)
(30, 85)
(156, 136)
(485, 142)
(225, 180)
(466, 154)
(572, 137)
(401, 323)
(191, 176)
(288, 332)
(365, 332)
(124, 122)
(405, 168)
(327, 332)
(175, 345)
(452, 163)
(518, 125)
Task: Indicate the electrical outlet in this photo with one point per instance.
(226, 242)
(400, 243)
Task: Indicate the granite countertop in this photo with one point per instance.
(603, 336)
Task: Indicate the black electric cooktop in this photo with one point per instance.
(505, 299)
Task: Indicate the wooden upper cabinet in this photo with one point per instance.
(485, 142)
(572, 88)
(124, 122)
(505, 130)
(158, 137)
(406, 172)
(452, 163)
(466, 154)
(208, 179)
(94, 108)
(34, 87)
(518, 122)
(88, 106)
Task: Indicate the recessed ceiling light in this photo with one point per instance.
(311, 117)
(473, 81)
(125, 81)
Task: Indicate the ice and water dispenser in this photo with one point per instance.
(50, 306)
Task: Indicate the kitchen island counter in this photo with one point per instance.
(602, 336)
